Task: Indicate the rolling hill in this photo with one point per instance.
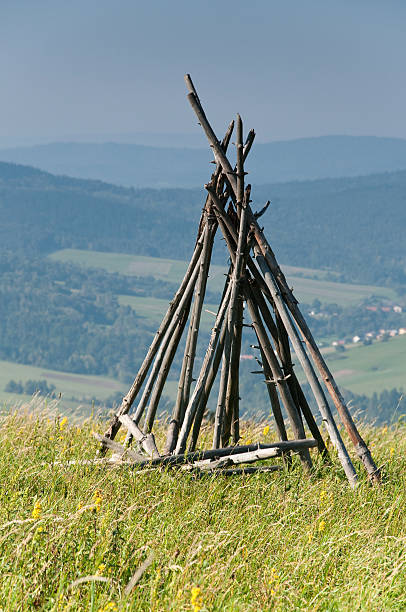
(136, 165)
(353, 227)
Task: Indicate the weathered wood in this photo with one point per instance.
(257, 455)
(277, 375)
(176, 317)
(185, 379)
(211, 376)
(118, 448)
(199, 387)
(221, 401)
(164, 370)
(231, 370)
(147, 441)
(128, 399)
(274, 399)
(173, 460)
(231, 421)
(281, 340)
(248, 470)
(360, 446)
(308, 370)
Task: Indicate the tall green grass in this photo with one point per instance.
(280, 541)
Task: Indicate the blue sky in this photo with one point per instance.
(91, 69)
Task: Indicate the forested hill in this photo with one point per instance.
(353, 226)
(145, 166)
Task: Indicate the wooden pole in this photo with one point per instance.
(308, 370)
(179, 459)
(164, 370)
(198, 390)
(230, 374)
(176, 317)
(220, 409)
(231, 422)
(277, 375)
(128, 399)
(185, 379)
(281, 340)
(230, 235)
(211, 376)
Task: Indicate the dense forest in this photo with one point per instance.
(351, 226)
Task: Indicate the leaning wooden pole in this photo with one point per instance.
(309, 372)
(281, 340)
(185, 379)
(190, 412)
(278, 377)
(230, 370)
(128, 399)
(360, 446)
(176, 318)
(209, 381)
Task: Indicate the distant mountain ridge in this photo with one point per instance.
(353, 226)
(164, 167)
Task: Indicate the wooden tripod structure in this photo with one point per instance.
(256, 282)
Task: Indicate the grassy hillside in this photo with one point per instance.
(373, 368)
(68, 384)
(72, 536)
(308, 284)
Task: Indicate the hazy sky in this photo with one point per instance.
(292, 68)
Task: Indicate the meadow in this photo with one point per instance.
(308, 283)
(66, 383)
(72, 536)
(373, 368)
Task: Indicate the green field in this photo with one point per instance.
(366, 369)
(154, 309)
(308, 284)
(67, 383)
(73, 535)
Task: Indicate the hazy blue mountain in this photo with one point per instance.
(144, 166)
(354, 226)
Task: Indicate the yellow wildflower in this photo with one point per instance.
(37, 510)
(385, 429)
(100, 569)
(392, 451)
(274, 576)
(266, 430)
(63, 423)
(111, 605)
(196, 598)
(310, 537)
(323, 496)
(322, 526)
(97, 499)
